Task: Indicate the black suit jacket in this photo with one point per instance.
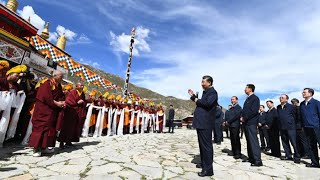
(287, 117)
(171, 114)
(219, 116)
(233, 116)
(205, 113)
(272, 119)
(250, 112)
(262, 119)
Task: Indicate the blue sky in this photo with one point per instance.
(273, 44)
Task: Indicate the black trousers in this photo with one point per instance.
(171, 125)
(235, 140)
(313, 137)
(286, 137)
(206, 148)
(217, 132)
(302, 143)
(253, 148)
(264, 138)
(275, 142)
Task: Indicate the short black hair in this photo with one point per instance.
(251, 86)
(171, 105)
(235, 97)
(310, 90)
(286, 96)
(262, 105)
(208, 78)
(230, 105)
(270, 101)
(294, 100)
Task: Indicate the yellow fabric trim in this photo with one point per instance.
(79, 93)
(13, 37)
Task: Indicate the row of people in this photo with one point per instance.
(286, 121)
(50, 110)
(295, 124)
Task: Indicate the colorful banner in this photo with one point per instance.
(68, 63)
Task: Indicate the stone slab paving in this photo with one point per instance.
(143, 156)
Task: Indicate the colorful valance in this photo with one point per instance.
(65, 61)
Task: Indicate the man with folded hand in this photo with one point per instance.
(203, 121)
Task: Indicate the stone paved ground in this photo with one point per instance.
(147, 156)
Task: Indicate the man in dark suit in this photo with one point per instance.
(302, 142)
(263, 132)
(310, 113)
(272, 124)
(286, 113)
(250, 118)
(217, 129)
(233, 121)
(171, 117)
(203, 120)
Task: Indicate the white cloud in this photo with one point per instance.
(70, 35)
(36, 20)
(83, 39)
(274, 55)
(90, 63)
(121, 42)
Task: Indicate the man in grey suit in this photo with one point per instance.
(203, 121)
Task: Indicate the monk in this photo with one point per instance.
(74, 117)
(44, 119)
(9, 83)
(94, 115)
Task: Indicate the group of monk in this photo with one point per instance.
(53, 112)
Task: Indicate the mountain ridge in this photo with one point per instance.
(183, 108)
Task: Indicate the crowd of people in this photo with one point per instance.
(40, 112)
(295, 124)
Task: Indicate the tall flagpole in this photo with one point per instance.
(126, 84)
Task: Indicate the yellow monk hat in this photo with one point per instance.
(111, 97)
(151, 104)
(125, 100)
(4, 64)
(106, 95)
(93, 93)
(118, 97)
(85, 89)
(99, 94)
(18, 69)
(68, 87)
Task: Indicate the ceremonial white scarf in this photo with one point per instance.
(19, 102)
(25, 140)
(7, 99)
(120, 125)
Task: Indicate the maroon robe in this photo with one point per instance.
(74, 117)
(45, 116)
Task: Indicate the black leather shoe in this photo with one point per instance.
(247, 160)
(230, 154)
(312, 165)
(286, 158)
(257, 164)
(237, 157)
(198, 166)
(297, 161)
(205, 173)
